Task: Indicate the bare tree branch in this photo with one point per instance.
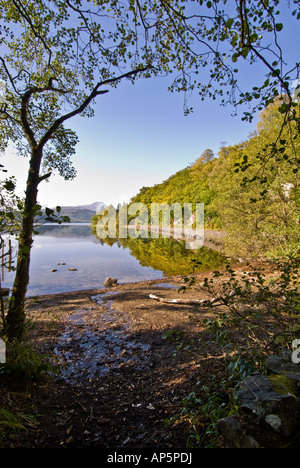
(96, 92)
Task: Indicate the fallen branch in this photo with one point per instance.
(202, 302)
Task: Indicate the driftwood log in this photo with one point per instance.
(202, 302)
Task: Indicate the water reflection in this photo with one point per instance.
(70, 257)
(169, 256)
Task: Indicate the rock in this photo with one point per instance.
(271, 402)
(283, 365)
(110, 282)
(234, 435)
(268, 407)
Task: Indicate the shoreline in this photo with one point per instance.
(104, 290)
(172, 282)
(126, 364)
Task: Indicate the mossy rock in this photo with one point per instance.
(284, 385)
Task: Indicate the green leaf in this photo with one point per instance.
(49, 212)
(9, 185)
(245, 52)
(229, 22)
(279, 26)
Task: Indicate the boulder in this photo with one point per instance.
(271, 401)
(283, 365)
(234, 435)
(268, 408)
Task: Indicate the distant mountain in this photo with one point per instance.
(94, 207)
(82, 213)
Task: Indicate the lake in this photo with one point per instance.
(82, 261)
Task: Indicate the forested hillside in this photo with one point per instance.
(250, 190)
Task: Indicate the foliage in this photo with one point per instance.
(24, 363)
(279, 296)
(10, 218)
(262, 215)
(259, 316)
(190, 185)
(168, 255)
(11, 422)
(258, 208)
(10, 206)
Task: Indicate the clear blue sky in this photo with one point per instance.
(140, 136)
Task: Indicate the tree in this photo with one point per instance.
(205, 157)
(54, 64)
(59, 56)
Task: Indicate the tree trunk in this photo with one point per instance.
(15, 319)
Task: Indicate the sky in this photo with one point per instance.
(139, 137)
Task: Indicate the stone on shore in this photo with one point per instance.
(110, 282)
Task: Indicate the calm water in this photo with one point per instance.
(74, 247)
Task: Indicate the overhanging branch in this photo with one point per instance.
(45, 176)
(95, 92)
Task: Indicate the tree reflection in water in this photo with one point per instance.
(169, 255)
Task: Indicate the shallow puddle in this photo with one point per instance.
(96, 342)
(166, 285)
